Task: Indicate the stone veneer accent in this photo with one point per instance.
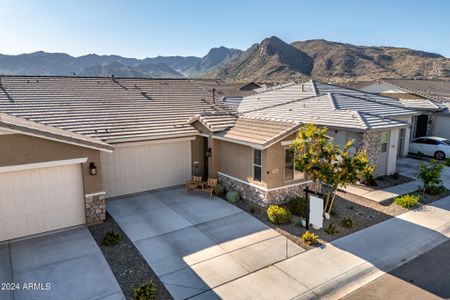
(95, 209)
(372, 142)
(260, 196)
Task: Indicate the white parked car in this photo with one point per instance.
(433, 146)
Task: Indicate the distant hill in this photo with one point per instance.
(275, 60)
(271, 60)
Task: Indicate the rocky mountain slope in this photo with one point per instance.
(274, 60)
(271, 60)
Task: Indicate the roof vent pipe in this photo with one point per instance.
(214, 95)
(303, 88)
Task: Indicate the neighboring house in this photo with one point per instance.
(430, 97)
(67, 143)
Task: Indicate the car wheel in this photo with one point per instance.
(439, 155)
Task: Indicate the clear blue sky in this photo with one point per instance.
(191, 27)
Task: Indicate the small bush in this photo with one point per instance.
(252, 210)
(146, 291)
(347, 222)
(331, 229)
(407, 201)
(233, 196)
(111, 239)
(278, 215)
(430, 175)
(435, 190)
(396, 175)
(447, 162)
(297, 206)
(220, 189)
(310, 238)
(420, 155)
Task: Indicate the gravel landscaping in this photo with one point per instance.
(363, 212)
(125, 261)
(387, 181)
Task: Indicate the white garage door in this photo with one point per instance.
(132, 169)
(38, 200)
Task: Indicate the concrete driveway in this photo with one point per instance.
(195, 244)
(408, 167)
(69, 261)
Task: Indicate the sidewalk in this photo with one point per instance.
(386, 194)
(348, 263)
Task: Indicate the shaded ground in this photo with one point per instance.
(387, 181)
(125, 261)
(425, 277)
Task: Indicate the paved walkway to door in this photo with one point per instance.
(195, 244)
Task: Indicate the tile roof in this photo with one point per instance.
(32, 128)
(327, 105)
(259, 131)
(438, 89)
(215, 121)
(110, 109)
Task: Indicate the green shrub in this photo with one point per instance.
(430, 175)
(420, 155)
(111, 239)
(233, 196)
(220, 189)
(347, 222)
(146, 291)
(447, 162)
(310, 238)
(278, 214)
(331, 229)
(297, 206)
(407, 201)
(252, 209)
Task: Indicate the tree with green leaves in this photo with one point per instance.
(323, 161)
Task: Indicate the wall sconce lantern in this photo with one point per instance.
(208, 152)
(92, 169)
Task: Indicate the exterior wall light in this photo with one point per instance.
(92, 169)
(208, 152)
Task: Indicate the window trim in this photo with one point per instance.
(284, 168)
(256, 165)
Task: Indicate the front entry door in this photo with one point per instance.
(421, 126)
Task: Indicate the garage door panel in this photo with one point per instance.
(40, 200)
(140, 168)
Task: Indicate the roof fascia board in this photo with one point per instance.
(47, 164)
(55, 139)
(153, 142)
(113, 142)
(235, 141)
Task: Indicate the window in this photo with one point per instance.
(257, 166)
(418, 141)
(384, 141)
(446, 142)
(289, 164)
(430, 142)
(290, 170)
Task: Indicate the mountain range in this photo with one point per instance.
(271, 60)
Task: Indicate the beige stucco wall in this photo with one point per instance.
(16, 149)
(233, 159)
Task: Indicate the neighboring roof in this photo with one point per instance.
(432, 89)
(226, 88)
(422, 104)
(259, 131)
(109, 109)
(35, 129)
(215, 121)
(325, 104)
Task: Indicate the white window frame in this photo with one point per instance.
(256, 165)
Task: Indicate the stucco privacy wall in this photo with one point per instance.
(17, 149)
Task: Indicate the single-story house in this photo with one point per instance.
(430, 97)
(69, 143)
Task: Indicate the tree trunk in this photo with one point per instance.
(332, 201)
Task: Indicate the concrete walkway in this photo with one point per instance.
(384, 195)
(348, 263)
(194, 243)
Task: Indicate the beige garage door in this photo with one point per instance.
(138, 168)
(38, 200)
